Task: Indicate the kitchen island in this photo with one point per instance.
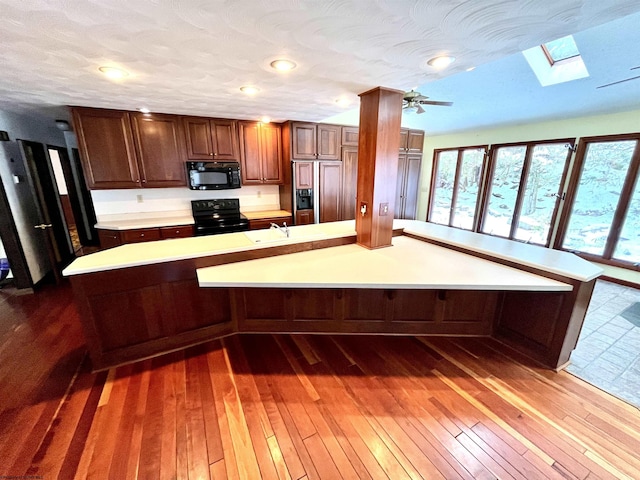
(137, 301)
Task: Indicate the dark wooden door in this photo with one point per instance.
(411, 183)
(250, 154)
(271, 143)
(398, 207)
(304, 175)
(303, 141)
(328, 142)
(225, 139)
(349, 182)
(330, 185)
(160, 149)
(198, 138)
(106, 148)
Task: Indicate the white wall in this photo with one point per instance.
(624, 122)
(151, 200)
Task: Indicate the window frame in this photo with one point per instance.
(526, 167)
(454, 194)
(622, 207)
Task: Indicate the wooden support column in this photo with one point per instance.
(379, 139)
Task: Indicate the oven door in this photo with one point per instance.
(226, 226)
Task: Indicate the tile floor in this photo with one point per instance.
(608, 351)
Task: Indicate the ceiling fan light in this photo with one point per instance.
(441, 61)
(419, 109)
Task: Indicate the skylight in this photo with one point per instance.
(556, 62)
(560, 49)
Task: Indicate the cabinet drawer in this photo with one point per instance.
(140, 235)
(180, 231)
(109, 238)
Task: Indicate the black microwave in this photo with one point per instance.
(213, 175)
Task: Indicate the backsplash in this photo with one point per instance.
(150, 200)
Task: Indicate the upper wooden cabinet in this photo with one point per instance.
(129, 150)
(311, 141)
(160, 148)
(211, 139)
(350, 136)
(261, 153)
(105, 141)
(411, 141)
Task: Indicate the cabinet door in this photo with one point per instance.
(106, 148)
(349, 182)
(398, 207)
(304, 175)
(411, 182)
(198, 138)
(415, 141)
(271, 143)
(109, 238)
(225, 139)
(350, 136)
(180, 231)
(328, 144)
(250, 155)
(330, 191)
(404, 138)
(160, 150)
(304, 217)
(303, 141)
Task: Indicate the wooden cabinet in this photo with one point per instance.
(330, 191)
(261, 153)
(160, 148)
(350, 136)
(411, 141)
(114, 238)
(304, 217)
(105, 141)
(311, 141)
(349, 182)
(211, 139)
(304, 175)
(260, 223)
(407, 183)
(129, 150)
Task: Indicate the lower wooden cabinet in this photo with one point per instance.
(260, 223)
(114, 238)
(304, 217)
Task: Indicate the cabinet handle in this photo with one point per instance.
(144, 181)
(177, 231)
(214, 154)
(138, 181)
(211, 154)
(142, 235)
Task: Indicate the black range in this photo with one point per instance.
(218, 216)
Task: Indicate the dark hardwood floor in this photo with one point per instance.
(299, 407)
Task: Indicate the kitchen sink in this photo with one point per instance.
(275, 235)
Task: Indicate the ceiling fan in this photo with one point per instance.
(415, 100)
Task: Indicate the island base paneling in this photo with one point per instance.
(133, 313)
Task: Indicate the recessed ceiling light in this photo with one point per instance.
(144, 110)
(249, 90)
(113, 72)
(441, 61)
(471, 69)
(343, 102)
(265, 119)
(283, 65)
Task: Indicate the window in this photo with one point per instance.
(524, 190)
(455, 188)
(560, 49)
(604, 216)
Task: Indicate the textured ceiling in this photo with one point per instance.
(191, 57)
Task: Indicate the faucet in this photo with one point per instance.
(284, 229)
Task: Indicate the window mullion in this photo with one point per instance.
(515, 218)
(456, 179)
(484, 200)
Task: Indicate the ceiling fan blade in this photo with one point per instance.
(419, 109)
(619, 81)
(433, 102)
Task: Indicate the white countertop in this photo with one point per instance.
(147, 253)
(130, 221)
(547, 259)
(135, 254)
(407, 264)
